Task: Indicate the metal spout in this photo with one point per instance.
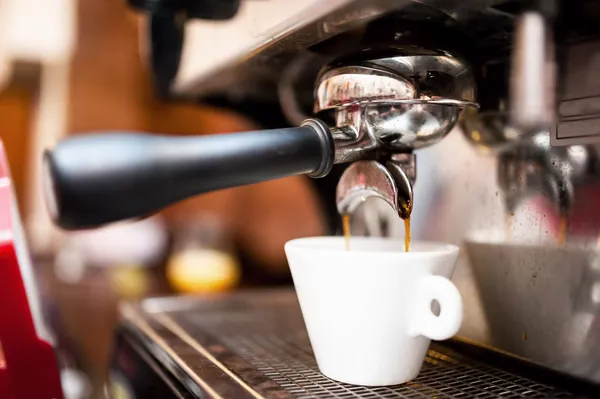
(385, 108)
(533, 75)
(534, 167)
(367, 179)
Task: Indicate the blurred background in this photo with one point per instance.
(75, 66)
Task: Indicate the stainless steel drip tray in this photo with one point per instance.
(254, 345)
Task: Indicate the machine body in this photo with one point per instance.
(499, 101)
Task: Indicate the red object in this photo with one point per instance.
(30, 369)
(583, 218)
(4, 385)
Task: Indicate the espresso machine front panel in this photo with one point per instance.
(261, 38)
(516, 183)
(579, 106)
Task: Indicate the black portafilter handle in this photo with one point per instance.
(96, 179)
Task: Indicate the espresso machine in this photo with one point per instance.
(493, 102)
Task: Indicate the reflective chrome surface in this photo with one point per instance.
(534, 168)
(400, 103)
(528, 165)
(366, 179)
(353, 140)
(355, 85)
(397, 105)
(533, 74)
(541, 301)
(411, 126)
(425, 76)
(391, 127)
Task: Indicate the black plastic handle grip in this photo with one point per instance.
(96, 179)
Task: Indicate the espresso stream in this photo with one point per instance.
(406, 234)
(346, 229)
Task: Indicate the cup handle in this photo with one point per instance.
(424, 322)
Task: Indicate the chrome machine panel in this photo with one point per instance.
(523, 208)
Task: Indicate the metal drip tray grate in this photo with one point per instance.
(292, 366)
(269, 350)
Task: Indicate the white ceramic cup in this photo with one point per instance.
(368, 311)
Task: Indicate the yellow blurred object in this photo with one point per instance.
(130, 281)
(203, 270)
(119, 390)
